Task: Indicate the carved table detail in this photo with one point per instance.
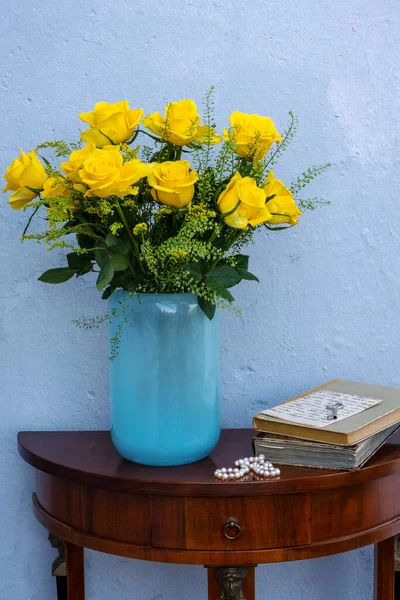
(89, 496)
(231, 580)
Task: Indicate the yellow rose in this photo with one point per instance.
(72, 166)
(173, 183)
(59, 209)
(282, 204)
(110, 123)
(105, 173)
(252, 134)
(245, 201)
(53, 187)
(24, 172)
(181, 125)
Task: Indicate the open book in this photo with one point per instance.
(361, 410)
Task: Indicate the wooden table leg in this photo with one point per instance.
(384, 570)
(227, 583)
(75, 572)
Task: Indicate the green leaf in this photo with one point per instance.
(74, 260)
(119, 262)
(57, 275)
(247, 275)
(122, 247)
(46, 162)
(102, 258)
(84, 241)
(117, 245)
(194, 270)
(226, 275)
(217, 287)
(111, 239)
(242, 261)
(79, 262)
(207, 307)
(105, 276)
(107, 292)
(276, 228)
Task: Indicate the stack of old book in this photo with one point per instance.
(339, 425)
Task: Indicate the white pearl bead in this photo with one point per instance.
(251, 459)
(261, 456)
(229, 469)
(246, 459)
(237, 463)
(240, 461)
(278, 471)
(235, 470)
(216, 473)
(261, 461)
(241, 472)
(231, 476)
(225, 476)
(246, 469)
(237, 475)
(223, 470)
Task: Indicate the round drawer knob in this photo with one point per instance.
(232, 528)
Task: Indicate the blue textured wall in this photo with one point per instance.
(328, 304)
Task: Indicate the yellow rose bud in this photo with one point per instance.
(245, 202)
(110, 123)
(181, 125)
(206, 135)
(282, 204)
(252, 134)
(24, 172)
(105, 173)
(173, 183)
(75, 162)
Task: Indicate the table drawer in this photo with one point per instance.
(260, 522)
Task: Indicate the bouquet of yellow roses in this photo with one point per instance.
(168, 216)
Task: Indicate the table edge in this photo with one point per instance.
(332, 480)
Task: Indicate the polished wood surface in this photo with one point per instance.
(75, 572)
(91, 497)
(89, 457)
(384, 567)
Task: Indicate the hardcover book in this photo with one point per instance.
(362, 410)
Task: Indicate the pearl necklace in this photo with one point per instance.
(255, 464)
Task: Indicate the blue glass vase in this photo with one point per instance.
(165, 378)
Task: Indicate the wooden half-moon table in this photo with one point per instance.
(89, 497)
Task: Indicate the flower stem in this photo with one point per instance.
(134, 243)
(84, 221)
(178, 153)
